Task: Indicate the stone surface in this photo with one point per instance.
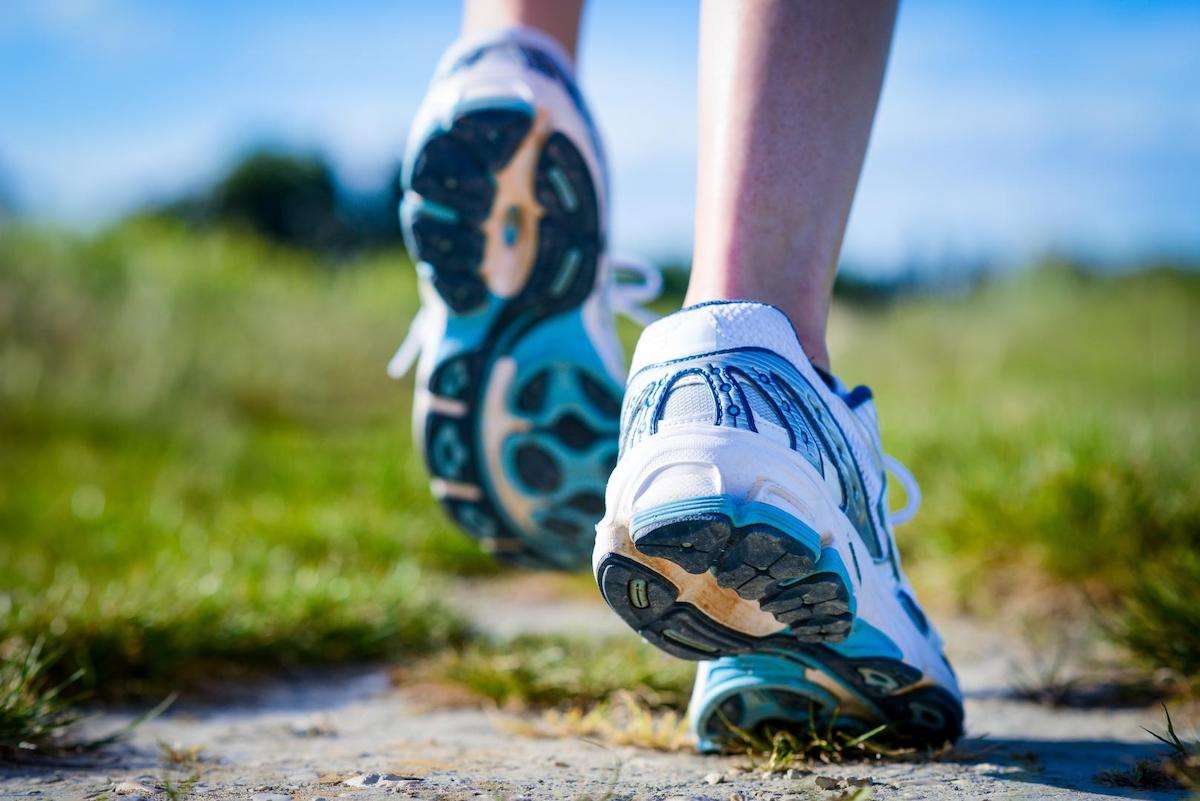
(310, 737)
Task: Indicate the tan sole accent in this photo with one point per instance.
(457, 490)
(499, 427)
(505, 269)
(447, 406)
(702, 591)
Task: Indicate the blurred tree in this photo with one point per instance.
(372, 215)
(296, 199)
(291, 198)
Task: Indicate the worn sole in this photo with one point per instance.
(519, 422)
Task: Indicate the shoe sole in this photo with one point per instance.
(501, 213)
(768, 557)
(821, 691)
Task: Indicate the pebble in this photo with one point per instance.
(828, 782)
(270, 797)
(132, 788)
(379, 780)
(714, 778)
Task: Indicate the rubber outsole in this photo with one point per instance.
(923, 716)
(451, 192)
(650, 604)
(780, 564)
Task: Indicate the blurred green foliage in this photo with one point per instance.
(203, 459)
(203, 465)
(1053, 420)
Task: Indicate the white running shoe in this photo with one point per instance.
(747, 523)
(519, 380)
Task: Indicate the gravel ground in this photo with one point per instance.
(350, 734)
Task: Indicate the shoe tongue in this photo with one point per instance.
(716, 326)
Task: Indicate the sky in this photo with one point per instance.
(1006, 129)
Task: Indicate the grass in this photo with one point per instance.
(204, 467)
(547, 671)
(39, 717)
(778, 751)
(1053, 423)
(1183, 759)
(623, 718)
(36, 717)
(205, 470)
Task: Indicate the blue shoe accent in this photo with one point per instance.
(532, 497)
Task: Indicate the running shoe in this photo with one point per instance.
(519, 371)
(746, 525)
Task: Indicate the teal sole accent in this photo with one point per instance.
(537, 503)
(753, 692)
(761, 552)
(739, 514)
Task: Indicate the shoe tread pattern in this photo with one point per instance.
(451, 191)
(650, 604)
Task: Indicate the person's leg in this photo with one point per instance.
(788, 92)
(746, 520)
(559, 18)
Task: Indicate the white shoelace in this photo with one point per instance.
(912, 491)
(630, 299)
(627, 298)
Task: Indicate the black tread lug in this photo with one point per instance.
(448, 173)
(493, 134)
(448, 247)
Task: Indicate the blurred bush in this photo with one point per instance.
(295, 199)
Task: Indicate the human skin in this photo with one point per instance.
(559, 18)
(788, 91)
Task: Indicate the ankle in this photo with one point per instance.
(555, 21)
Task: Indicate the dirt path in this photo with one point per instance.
(350, 734)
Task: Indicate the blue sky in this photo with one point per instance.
(1006, 128)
